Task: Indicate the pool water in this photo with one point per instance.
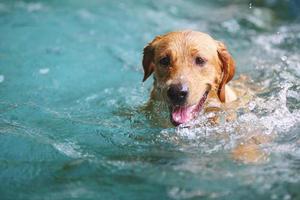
(71, 125)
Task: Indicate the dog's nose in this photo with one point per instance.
(178, 93)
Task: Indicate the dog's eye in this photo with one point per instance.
(199, 61)
(165, 61)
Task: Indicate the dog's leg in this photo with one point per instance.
(249, 151)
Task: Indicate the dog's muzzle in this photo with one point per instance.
(177, 94)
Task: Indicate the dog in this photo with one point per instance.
(190, 68)
(191, 73)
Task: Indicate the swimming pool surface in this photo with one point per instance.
(71, 93)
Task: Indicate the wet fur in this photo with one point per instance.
(183, 47)
(219, 69)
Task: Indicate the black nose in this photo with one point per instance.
(177, 94)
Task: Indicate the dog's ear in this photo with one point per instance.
(148, 57)
(228, 69)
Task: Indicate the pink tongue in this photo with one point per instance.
(181, 115)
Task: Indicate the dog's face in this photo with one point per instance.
(188, 67)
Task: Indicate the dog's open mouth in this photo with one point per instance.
(183, 114)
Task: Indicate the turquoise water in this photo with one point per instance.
(71, 93)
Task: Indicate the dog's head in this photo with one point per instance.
(188, 67)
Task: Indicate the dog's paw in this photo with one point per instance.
(249, 153)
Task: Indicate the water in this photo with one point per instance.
(71, 93)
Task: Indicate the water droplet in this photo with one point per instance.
(283, 58)
(250, 5)
(252, 105)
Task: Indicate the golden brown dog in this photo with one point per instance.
(191, 71)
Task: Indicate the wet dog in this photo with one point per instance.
(191, 73)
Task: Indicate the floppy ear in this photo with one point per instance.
(228, 69)
(148, 57)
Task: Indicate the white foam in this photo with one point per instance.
(68, 149)
(276, 118)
